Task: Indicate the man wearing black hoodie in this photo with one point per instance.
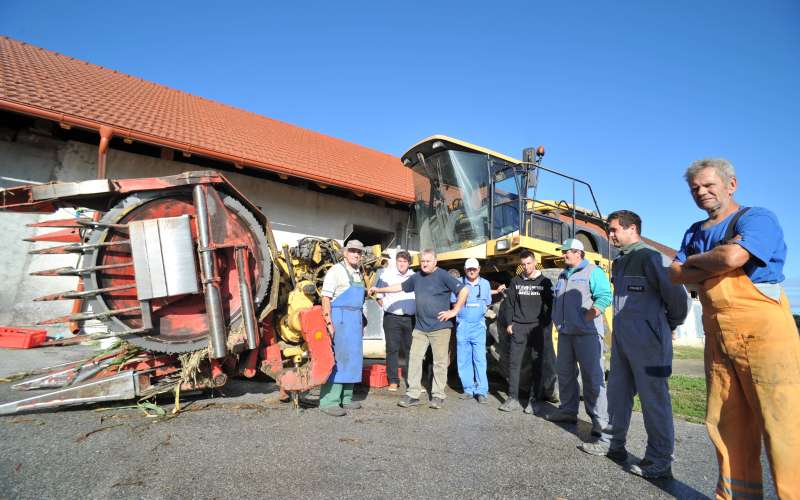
(530, 301)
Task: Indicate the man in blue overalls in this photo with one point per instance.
(471, 334)
(342, 302)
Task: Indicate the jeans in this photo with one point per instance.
(439, 340)
(397, 330)
(526, 345)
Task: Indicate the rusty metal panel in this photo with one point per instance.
(66, 189)
(123, 385)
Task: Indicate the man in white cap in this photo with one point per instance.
(471, 334)
(342, 301)
(580, 295)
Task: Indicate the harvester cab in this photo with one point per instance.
(473, 202)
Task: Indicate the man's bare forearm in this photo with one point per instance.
(326, 307)
(721, 259)
(462, 299)
(397, 287)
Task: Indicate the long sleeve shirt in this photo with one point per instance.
(530, 300)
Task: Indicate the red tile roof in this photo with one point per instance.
(44, 83)
(668, 251)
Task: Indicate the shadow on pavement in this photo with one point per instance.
(672, 486)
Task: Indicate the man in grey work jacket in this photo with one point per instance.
(647, 307)
(580, 295)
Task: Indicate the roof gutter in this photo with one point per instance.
(186, 148)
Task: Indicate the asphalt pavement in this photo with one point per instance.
(245, 443)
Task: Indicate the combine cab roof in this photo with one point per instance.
(425, 147)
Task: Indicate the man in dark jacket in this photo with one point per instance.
(647, 308)
(527, 314)
(432, 287)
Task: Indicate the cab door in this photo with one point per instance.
(506, 199)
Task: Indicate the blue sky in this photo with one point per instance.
(622, 94)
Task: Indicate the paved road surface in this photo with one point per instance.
(248, 445)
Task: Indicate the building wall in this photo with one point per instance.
(691, 331)
(293, 212)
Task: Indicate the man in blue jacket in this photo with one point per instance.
(580, 295)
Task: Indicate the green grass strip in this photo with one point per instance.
(687, 352)
(688, 398)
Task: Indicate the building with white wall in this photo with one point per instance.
(67, 120)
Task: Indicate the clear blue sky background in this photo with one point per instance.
(624, 94)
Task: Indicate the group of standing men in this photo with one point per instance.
(734, 259)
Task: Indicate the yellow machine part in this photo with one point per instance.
(289, 327)
(293, 351)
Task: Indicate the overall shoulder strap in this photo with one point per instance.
(349, 274)
(730, 231)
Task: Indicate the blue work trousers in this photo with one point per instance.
(585, 351)
(641, 362)
(471, 357)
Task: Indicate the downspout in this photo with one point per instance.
(102, 153)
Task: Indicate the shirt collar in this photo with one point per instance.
(630, 248)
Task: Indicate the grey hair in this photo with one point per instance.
(721, 166)
(429, 251)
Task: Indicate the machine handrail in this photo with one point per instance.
(573, 179)
(529, 165)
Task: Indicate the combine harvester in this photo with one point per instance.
(185, 270)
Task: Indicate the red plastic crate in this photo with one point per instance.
(21, 338)
(374, 376)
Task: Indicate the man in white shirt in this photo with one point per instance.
(399, 309)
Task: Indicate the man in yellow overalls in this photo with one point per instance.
(735, 258)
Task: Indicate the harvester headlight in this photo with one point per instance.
(437, 145)
(502, 245)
